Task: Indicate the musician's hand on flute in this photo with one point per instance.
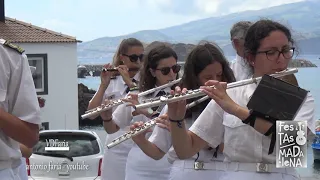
(124, 72)
(105, 76)
(142, 136)
(177, 110)
(163, 122)
(106, 115)
(133, 101)
(219, 94)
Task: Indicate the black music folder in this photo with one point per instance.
(274, 100)
(277, 99)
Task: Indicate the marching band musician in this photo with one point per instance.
(19, 109)
(240, 66)
(237, 34)
(205, 62)
(160, 67)
(269, 48)
(128, 55)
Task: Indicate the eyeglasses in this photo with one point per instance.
(134, 57)
(273, 55)
(166, 70)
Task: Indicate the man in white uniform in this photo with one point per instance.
(239, 65)
(19, 109)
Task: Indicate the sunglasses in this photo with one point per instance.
(134, 57)
(166, 70)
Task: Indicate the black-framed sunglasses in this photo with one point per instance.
(166, 70)
(134, 57)
(273, 55)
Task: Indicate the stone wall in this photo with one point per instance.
(84, 96)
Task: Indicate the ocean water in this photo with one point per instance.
(308, 78)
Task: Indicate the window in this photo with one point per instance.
(44, 126)
(80, 144)
(40, 76)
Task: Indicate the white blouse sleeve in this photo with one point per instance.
(209, 125)
(306, 113)
(161, 137)
(122, 116)
(23, 101)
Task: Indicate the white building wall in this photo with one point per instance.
(61, 106)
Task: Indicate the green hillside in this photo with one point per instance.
(302, 17)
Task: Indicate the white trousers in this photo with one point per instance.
(142, 167)
(183, 170)
(241, 175)
(23, 169)
(115, 159)
(10, 174)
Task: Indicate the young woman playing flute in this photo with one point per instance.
(160, 67)
(268, 48)
(205, 62)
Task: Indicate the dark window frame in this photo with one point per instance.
(44, 58)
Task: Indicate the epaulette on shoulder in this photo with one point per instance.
(136, 88)
(14, 47)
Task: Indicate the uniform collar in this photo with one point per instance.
(166, 90)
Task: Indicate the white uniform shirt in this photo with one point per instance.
(117, 88)
(122, 116)
(162, 139)
(242, 143)
(139, 165)
(114, 160)
(240, 68)
(17, 97)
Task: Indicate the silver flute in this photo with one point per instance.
(193, 94)
(104, 107)
(197, 92)
(147, 125)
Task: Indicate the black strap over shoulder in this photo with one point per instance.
(272, 132)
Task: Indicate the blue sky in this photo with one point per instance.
(91, 19)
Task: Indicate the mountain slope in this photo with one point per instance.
(302, 17)
(101, 47)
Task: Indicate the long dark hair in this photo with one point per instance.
(151, 60)
(198, 59)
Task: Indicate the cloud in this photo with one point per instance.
(207, 6)
(157, 3)
(244, 5)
